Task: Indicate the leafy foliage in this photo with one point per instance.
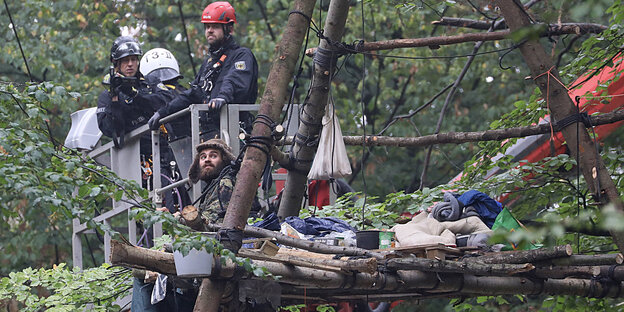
(66, 44)
(39, 178)
(62, 289)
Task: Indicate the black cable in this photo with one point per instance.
(18, 41)
(188, 44)
(432, 9)
(578, 174)
(16, 101)
(90, 250)
(363, 119)
(264, 15)
(500, 58)
(599, 69)
(321, 13)
(521, 7)
(438, 56)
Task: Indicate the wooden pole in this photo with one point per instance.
(579, 260)
(141, 258)
(561, 106)
(524, 256)
(464, 137)
(436, 42)
(485, 25)
(192, 218)
(567, 271)
(367, 265)
(313, 110)
(472, 267)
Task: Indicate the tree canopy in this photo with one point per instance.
(62, 54)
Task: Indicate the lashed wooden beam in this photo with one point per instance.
(524, 256)
(367, 265)
(605, 259)
(472, 267)
(334, 284)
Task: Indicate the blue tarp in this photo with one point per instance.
(486, 207)
(307, 226)
(318, 226)
(271, 222)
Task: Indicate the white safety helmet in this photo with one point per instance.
(159, 65)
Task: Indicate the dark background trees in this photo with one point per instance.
(68, 42)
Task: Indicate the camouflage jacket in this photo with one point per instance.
(217, 196)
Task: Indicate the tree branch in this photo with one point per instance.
(464, 137)
(553, 30)
(485, 25)
(391, 119)
(449, 97)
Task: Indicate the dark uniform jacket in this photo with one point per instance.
(129, 112)
(116, 118)
(235, 80)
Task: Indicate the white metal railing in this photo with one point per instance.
(125, 162)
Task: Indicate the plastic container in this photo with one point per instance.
(386, 239)
(368, 239)
(84, 133)
(195, 264)
(337, 241)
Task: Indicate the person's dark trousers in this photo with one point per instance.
(142, 296)
(180, 300)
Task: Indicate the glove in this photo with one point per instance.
(127, 89)
(154, 122)
(216, 104)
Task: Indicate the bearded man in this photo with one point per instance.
(212, 165)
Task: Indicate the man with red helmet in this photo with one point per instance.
(228, 75)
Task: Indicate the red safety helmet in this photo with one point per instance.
(220, 12)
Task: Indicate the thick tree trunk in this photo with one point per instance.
(310, 128)
(141, 258)
(561, 106)
(273, 100)
(209, 294)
